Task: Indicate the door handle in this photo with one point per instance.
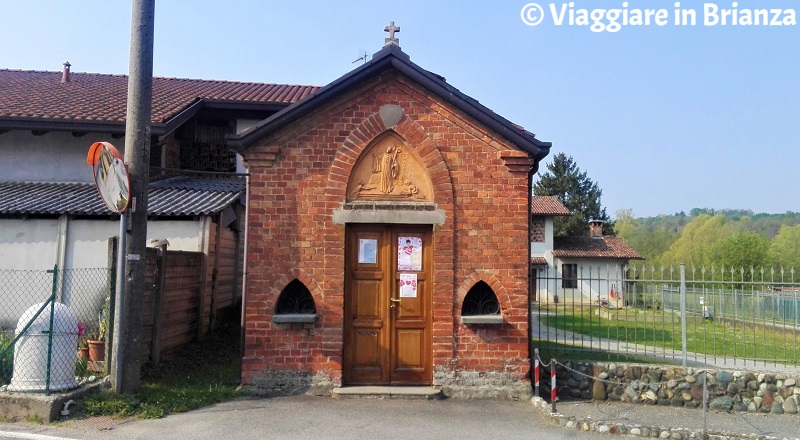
(394, 300)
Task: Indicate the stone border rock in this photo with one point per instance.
(637, 430)
(743, 391)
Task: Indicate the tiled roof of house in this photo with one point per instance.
(538, 261)
(100, 97)
(177, 196)
(588, 247)
(548, 205)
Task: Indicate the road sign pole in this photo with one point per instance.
(137, 157)
(119, 295)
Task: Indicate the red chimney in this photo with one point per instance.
(65, 72)
(596, 228)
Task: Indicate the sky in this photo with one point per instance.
(663, 117)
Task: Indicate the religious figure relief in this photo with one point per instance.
(388, 171)
(388, 168)
(411, 190)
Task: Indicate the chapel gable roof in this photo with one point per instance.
(392, 57)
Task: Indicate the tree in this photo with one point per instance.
(697, 242)
(742, 250)
(784, 250)
(650, 238)
(625, 224)
(564, 180)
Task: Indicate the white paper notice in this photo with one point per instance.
(367, 251)
(408, 285)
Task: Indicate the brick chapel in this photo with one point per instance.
(388, 239)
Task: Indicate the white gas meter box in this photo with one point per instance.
(30, 351)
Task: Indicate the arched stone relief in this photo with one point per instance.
(389, 170)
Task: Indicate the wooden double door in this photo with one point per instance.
(387, 305)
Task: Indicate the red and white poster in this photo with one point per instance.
(408, 285)
(409, 253)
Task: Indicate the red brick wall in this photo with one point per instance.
(299, 177)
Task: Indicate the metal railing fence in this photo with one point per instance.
(703, 316)
(48, 320)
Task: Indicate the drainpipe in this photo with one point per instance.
(61, 255)
(531, 355)
(244, 266)
(205, 232)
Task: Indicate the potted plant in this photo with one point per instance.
(96, 346)
(97, 340)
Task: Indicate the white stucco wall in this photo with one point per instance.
(56, 156)
(596, 277)
(32, 245)
(28, 244)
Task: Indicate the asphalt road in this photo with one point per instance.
(306, 417)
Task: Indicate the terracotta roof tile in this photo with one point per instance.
(101, 97)
(588, 247)
(538, 261)
(548, 205)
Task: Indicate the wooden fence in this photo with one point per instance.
(185, 291)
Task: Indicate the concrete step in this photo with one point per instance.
(387, 392)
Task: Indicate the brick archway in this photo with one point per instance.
(491, 280)
(286, 278)
(416, 138)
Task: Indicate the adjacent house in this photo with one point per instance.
(50, 212)
(587, 269)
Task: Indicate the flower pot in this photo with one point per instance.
(83, 352)
(97, 350)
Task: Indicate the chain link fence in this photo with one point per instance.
(53, 327)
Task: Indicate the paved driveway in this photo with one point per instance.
(306, 417)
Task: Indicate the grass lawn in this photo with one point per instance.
(663, 329)
(565, 352)
(200, 374)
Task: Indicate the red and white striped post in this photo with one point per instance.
(553, 389)
(536, 373)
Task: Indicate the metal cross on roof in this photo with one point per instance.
(391, 29)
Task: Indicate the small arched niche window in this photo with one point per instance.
(481, 306)
(295, 305)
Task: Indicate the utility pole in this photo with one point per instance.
(127, 369)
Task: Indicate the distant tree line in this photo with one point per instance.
(735, 238)
(703, 238)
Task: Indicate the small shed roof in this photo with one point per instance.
(175, 196)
